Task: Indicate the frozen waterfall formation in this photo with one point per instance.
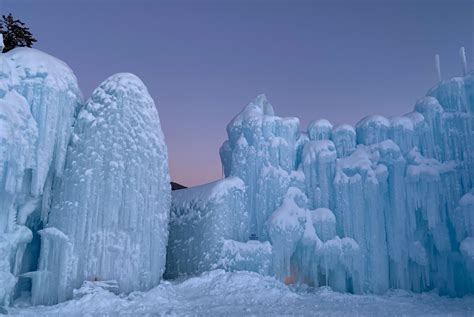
(84, 187)
(387, 204)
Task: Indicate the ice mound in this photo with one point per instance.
(39, 98)
(110, 211)
(344, 138)
(320, 130)
(306, 248)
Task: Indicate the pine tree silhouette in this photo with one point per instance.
(15, 33)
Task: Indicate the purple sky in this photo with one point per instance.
(204, 61)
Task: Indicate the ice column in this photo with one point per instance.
(112, 206)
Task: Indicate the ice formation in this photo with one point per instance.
(39, 98)
(387, 204)
(109, 213)
(85, 195)
(202, 219)
(84, 189)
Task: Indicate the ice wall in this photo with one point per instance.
(110, 210)
(399, 189)
(39, 98)
(204, 220)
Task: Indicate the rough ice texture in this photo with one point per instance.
(110, 211)
(204, 220)
(385, 205)
(254, 256)
(39, 98)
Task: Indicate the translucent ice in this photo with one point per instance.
(385, 205)
(109, 214)
(39, 98)
(203, 221)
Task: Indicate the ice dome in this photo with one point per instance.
(110, 212)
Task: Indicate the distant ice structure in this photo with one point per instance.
(110, 211)
(39, 98)
(385, 205)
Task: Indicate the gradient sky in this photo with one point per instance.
(204, 61)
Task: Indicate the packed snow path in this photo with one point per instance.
(219, 293)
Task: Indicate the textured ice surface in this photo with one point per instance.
(110, 211)
(204, 220)
(253, 255)
(39, 98)
(385, 205)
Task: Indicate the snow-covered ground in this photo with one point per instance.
(220, 293)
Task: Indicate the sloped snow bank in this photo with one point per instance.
(218, 292)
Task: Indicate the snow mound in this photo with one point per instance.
(320, 130)
(244, 293)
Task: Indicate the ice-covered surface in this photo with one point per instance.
(220, 293)
(399, 189)
(260, 150)
(253, 256)
(202, 219)
(39, 98)
(109, 213)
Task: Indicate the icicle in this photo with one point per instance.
(438, 67)
(462, 54)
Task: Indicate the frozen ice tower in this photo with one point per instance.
(93, 204)
(387, 204)
(109, 213)
(39, 98)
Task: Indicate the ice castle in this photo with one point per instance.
(388, 203)
(85, 194)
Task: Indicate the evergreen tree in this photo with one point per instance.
(15, 33)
